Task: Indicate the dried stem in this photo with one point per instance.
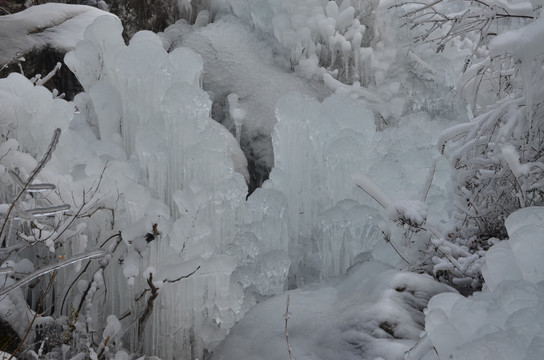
(144, 316)
(36, 314)
(286, 317)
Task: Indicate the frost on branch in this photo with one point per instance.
(410, 213)
(498, 159)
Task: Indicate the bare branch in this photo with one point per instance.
(184, 276)
(39, 167)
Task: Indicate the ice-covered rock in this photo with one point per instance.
(238, 60)
(504, 320)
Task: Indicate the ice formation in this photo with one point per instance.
(153, 99)
(504, 320)
(150, 102)
(317, 149)
(239, 61)
(373, 312)
(338, 35)
(32, 112)
(349, 47)
(144, 132)
(124, 113)
(149, 128)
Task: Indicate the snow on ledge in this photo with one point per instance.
(59, 26)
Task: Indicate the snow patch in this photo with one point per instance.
(59, 26)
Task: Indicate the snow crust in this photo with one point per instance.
(59, 26)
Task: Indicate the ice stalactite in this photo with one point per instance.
(316, 146)
(162, 108)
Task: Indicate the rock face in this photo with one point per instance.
(156, 15)
(42, 62)
(9, 340)
(143, 15)
(9, 6)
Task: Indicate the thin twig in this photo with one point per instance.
(183, 277)
(53, 267)
(429, 181)
(388, 240)
(286, 317)
(36, 314)
(46, 157)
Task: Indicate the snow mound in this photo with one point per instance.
(375, 311)
(59, 26)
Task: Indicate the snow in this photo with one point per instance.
(512, 158)
(374, 311)
(59, 26)
(371, 189)
(525, 43)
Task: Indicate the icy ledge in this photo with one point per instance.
(375, 311)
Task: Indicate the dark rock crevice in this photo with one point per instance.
(43, 61)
